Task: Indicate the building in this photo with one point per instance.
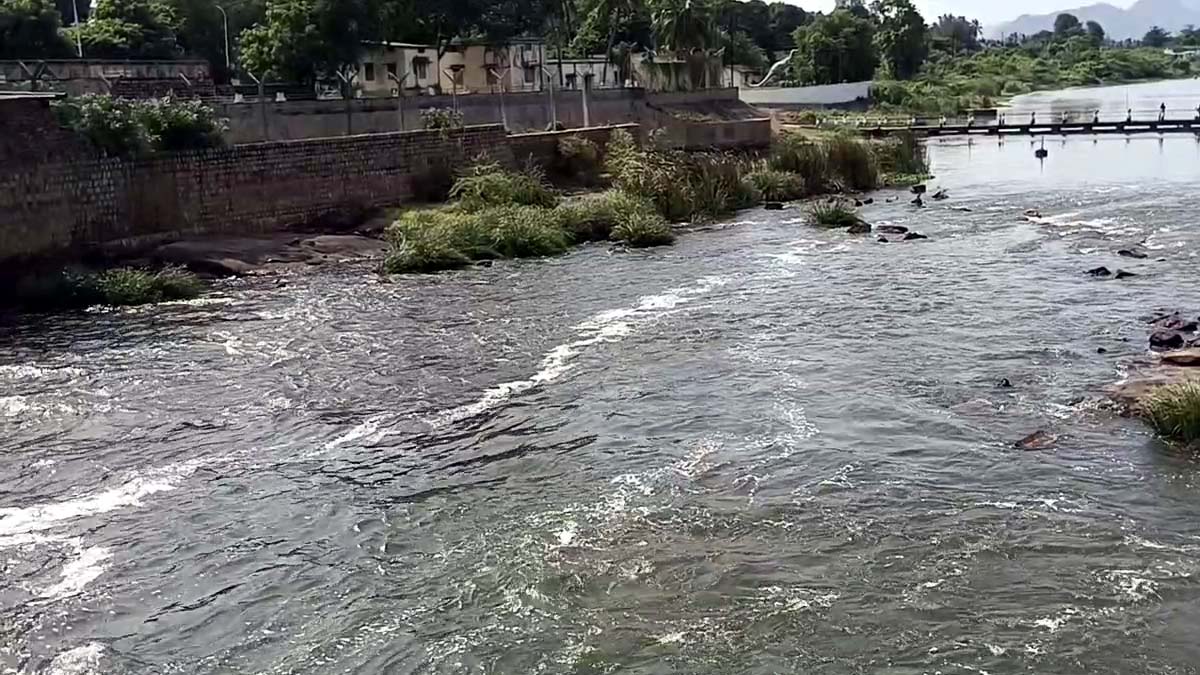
(472, 67)
(740, 76)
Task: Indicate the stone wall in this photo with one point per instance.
(542, 147)
(87, 76)
(29, 133)
(65, 208)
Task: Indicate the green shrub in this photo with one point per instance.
(832, 215)
(776, 186)
(795, 154)
(429, 240)
(441, 119)
(900, 154)
(489, 184)
(524, 231)
(72, 290)
(577, 158)
(852, 160)
(1174, 412)
(642, 229)
(593, 217)
(124, 127)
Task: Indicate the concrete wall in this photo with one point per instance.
(62, 208)
(254, 122)
(849, 96)
(29, 133)
(542, 147)
(126, 78)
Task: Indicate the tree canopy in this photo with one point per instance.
(131, 29)
(30, 28)
(837, 47)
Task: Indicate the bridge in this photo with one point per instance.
(1165, 126)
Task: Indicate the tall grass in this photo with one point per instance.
(1174, 412)
(489, 184)
(795, 154)
(773, 185)
(123, 286)
(593, 217)
(643, 228)
(833, 215)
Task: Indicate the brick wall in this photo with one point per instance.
(142, 87)
(61, 208)
(29, 133)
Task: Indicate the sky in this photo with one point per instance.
(987, 11)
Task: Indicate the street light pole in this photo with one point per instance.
(78, 37)
(225, 24)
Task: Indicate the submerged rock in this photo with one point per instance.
(1038, 440)
(881, 239)
(1032, 213)
(1133, 253)
(1124, 274)
(917, 201)
(1175, 321)
(869, 200)
(773, 206)
(1166, 340)
(1004, 383)
(892, 229)
(940, 195)
(859, 227)
(1100, 271)
(914, 235)
(918, 189)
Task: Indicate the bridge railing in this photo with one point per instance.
(1009, 118)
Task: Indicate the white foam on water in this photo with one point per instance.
(78, 573)
(1053, 623)
(12, 406)
(84, 660)
(672, 638)
(608, 326)
(14, 521)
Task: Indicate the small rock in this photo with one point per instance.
(1100, 271)
(1133, 253)
(1038, 440)
(964, 209)
(220, 267)
(889, 200)
(940, 195)
(859, 227)
(773, 206)
(918, 189)
(1166, 340)
(1175, 321)
(1004, 383)
(909, 236)
(869, 200)
(1033, 213)
(1183, 357)
(858, 202)
(1123, 274)
(882, 239)
(917, 201)
(484, 263)
(892, 229)
(1101, 350)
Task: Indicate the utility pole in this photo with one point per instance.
(225, 23)
(78, 37)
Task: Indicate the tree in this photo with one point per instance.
(1096, 32)
(954, 34)
(837, 47)
(202, 28)
(130, 29)
(785, 19)
(30, 28)
(684, 26)
(745, 52)
(302, 40)
(1156, 37)
(1067, 25)
(900, 36)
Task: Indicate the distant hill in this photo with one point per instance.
(1118, 23)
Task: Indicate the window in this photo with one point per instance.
(421, 67)
(369, 72)
(391, 69)
(530, 74)
(571, 79)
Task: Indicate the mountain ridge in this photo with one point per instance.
(1119, 24)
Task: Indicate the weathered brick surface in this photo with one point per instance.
(53, 208)
(542, 146)
(29, 133)
(142, 87)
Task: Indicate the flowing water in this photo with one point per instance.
(767, 449)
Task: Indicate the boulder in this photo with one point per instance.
(1124, 274)
(1133, 253)
(891, 229)
(1167, 340)
(940, 195)
(345, 246)
(918, 189)
(859, 227)
(882, 239)
(1189, 358)
(1038, 440)
(1004, 383)
(909, 236)
(773, 206)
(869, 200)
(1101, 350)
(220, 267)
(1175, 321)
(1033, 213)
(1100, 271)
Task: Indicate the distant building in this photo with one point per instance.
(470, 67)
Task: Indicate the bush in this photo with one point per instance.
(795, 154)
(577, 158)
(441, 118)
(123, 127)
(641, 229)
(1174, 412)
(430, 240)
(901, 154)
(593, 217)
(852, 160)
(75, 290)
(776, 186)
(833, 215)
(489, 184)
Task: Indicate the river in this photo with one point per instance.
(766, 449)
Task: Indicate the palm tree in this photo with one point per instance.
(683, 25)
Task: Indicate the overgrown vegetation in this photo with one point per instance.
(441, 119)
(1174, 412)
(577, 159)
(488, 184)
(124, 286)
(122, 127)
(594, 217)
(773, 185)
(833, 215)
